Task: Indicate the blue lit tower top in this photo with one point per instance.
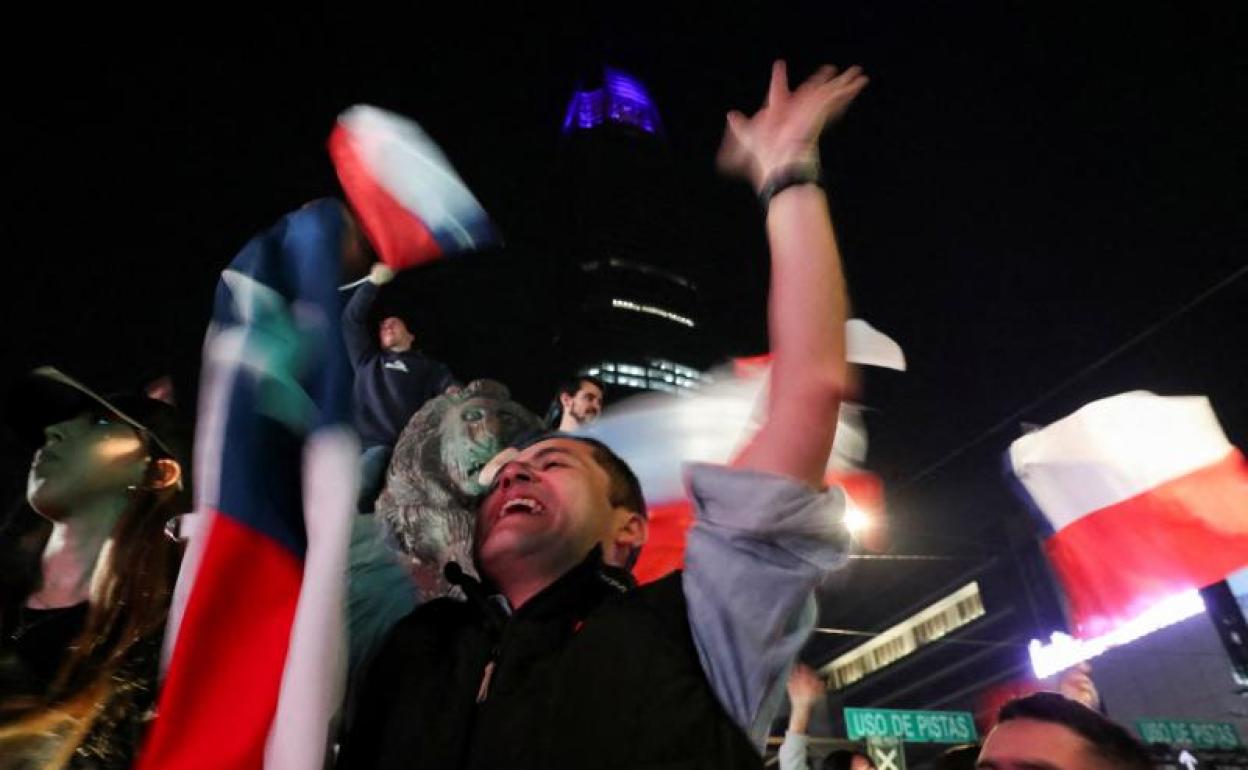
(622, 99)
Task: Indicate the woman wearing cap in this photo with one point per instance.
(87, 585)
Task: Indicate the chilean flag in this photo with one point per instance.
(657, 434)
(1145, 497)
(411, 204)
(256, 636)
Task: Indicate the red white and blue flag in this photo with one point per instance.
(256, 637)
(411, 204)
(1145, 498)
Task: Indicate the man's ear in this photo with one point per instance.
(164, 473)
(630, 534)
(565, 401)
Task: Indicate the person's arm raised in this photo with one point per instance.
(805, 690)
(808, 305)
(359, 335)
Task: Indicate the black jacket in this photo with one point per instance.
(590, 673)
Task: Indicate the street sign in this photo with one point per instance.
(911, 726)
(886, 753)
(1182, 732)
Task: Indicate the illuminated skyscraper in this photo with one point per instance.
(632, 311)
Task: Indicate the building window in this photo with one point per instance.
(653, 374)
(654, 310)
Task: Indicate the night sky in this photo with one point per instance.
(1021, 190)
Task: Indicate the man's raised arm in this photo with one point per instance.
(777, 150)
(360, 337)
(764, 536)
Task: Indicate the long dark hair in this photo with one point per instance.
(131, 588)
(128, 605)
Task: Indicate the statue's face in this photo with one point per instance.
(473, 432)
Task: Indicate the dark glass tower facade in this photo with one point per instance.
(631, 310)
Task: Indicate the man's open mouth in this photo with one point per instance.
(521, 506)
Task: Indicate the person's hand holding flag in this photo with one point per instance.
(411, 205)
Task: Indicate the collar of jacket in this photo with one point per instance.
(576, 592)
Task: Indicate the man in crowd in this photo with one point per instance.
(568, 664)
(393, 379)
(1049, 730)
(579, 402)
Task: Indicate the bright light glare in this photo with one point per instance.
(856, 519)
(1064, 651)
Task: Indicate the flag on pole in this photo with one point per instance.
(256, 632)
(409, 201)
(1145, 498)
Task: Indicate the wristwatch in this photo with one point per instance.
(806, 172)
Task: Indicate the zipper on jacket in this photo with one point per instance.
(487, 674)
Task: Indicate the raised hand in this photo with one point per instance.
(380, 273)
(1076, 683)
(785, 131)
(805, 686)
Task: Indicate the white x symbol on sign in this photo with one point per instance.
(886, 759)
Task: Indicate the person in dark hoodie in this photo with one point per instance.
(393, 379)
(557, 659)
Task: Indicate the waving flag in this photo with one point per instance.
(1146, 498)
(256, 634)
(657, 434)
(408, 199)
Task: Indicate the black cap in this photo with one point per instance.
(47, 396)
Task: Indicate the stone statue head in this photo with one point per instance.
(429, 501)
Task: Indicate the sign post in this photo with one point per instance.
(886, 753)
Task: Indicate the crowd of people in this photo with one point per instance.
(537, 659)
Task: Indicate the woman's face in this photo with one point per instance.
(85, 461)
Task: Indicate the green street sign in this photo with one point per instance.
(911, 726)
(1182, 732)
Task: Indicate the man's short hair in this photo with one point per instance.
(625, 488)
(1110, 741)
(572, 385)
(390, 313)
(958, 758)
